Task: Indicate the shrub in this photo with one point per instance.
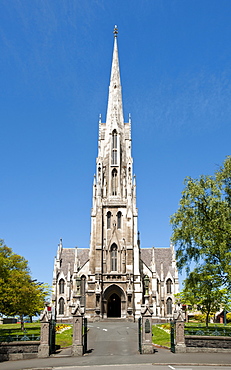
(202, 317)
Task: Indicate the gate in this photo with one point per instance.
(140, 334)
(52, 336)
(84, 335)
(172, 335)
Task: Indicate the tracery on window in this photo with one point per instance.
(114, 147)
(61, 306)
(169, 286)
(114, 257)
(114, 182)
(169, 306)
(114, 139)
(61, 286)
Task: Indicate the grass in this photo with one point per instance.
(64, 339)
(15, 329)
(161, 335)
(9, 332)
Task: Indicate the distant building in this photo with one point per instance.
(109, 276)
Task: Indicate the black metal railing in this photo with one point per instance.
(19, 337)
(140, 334)
(210, 330)
(172, 335)
(84, 335)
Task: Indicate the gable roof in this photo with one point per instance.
(68, 257)
(162, 255)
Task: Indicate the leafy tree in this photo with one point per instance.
(20, 295)
(202, 226)
(202, 291)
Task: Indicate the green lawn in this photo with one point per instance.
(64, 339)
(161, 335)
(7, 330)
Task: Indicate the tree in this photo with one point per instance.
(20, 295)
(202, 226)
(202, 291)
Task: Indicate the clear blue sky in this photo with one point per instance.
(55, 60)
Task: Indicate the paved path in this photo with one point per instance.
(113, 345)
(113, 339)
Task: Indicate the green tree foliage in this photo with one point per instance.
(202, 226)
(20, 295)
(202, 292)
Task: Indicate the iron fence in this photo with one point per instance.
(210, 330)
(19, 337)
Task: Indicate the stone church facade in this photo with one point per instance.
(108, 278)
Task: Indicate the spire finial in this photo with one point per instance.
(115, 31)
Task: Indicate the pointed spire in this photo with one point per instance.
(115, 109)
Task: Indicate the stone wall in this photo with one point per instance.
(18, 350)
(200, 343)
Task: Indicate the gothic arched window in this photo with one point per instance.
(169, 306)
(108, 220)
(158, 286)
(61, 306)
(114, 147)
(169, 286)
(114, 182)
(114, 257)
(119, 216)
(61, 286)
(83, 289)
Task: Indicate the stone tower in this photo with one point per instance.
(114, 248)
(108, 278)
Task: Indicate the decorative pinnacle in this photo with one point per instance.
(115, 31)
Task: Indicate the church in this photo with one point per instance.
(111, 278)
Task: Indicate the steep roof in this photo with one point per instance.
(68, 257)
(162, 255)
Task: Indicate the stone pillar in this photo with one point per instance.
(44, 347)
(146, 313)
(179, 330)
(77, 344)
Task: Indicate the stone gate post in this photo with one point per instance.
(146, 313)
(44, 347)
(179, 318)
(77, 344)
(147, 346)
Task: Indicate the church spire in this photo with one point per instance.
(114, 108)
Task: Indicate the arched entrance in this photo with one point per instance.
(114, 306)
(114, 301)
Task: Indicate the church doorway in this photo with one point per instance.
(114, 306)
(114, 301)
